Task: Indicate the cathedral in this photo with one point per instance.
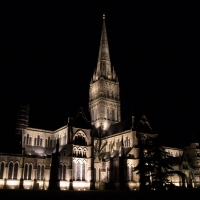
(85, 155)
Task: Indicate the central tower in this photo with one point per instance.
(104, 100)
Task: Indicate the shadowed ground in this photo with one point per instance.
(103, 195)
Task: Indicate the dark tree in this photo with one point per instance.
(154, 168)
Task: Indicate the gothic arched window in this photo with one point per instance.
(48, 144)
(83, 171)
(61, 172)
(30, 140)
(27, 139)
(38, 140)
(1, 170)
(25, 171)
(15, 171)
(38, 172)
(41, 141)
(64, 172)
(10, 171)
(42, 173)
(80, 140)
(113, 115)
(78, 171)
(30, 172)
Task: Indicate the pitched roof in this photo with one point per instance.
(120, 127)
(137, 123)
(80, 120)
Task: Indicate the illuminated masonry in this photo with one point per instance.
(97, 155)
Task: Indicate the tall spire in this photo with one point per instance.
(103, 63)
(104, 99)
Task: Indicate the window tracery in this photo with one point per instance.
(13, 170)
(28, 171)
(40, 172)
(79, 152)
(79, 170)
(80, 139)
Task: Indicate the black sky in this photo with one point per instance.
(49, 52)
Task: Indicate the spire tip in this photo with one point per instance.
(104, 15)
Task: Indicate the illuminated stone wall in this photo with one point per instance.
(26, 170)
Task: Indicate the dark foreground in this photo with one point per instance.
(103, 195)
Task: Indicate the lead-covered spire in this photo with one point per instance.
(103, 63)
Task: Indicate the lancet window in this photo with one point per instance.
(38, 141)
(127, 142)
(113, 115)
(48, 142)
(40, 172)
(62, 172)
(27, 139)
(79, 170)
(108, 114)
(80, 139)
(13, 170)
(28, 171)
(130, 172)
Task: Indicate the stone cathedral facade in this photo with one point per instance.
(100, 154)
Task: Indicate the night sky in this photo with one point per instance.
(49, 53)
